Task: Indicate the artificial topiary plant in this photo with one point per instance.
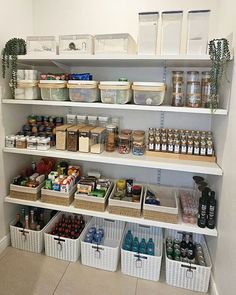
(12, 49)
(219, 55)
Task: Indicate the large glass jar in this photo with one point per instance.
(110, 137)
(123, 144)
(193, 94)
(206, 89)
(138, 145)
(193, 76)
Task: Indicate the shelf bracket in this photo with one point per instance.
(61, 66)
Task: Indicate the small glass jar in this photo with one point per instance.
(123, 144)
(126, 132)
(177, 146)
(136, 193)
(157, 144)
(170, 148)
(121, 185)
(10, 141)
(151, 143)
(43, 144)
(196, 149)
(194, 95)
(110, 138)
(190, 147)
(209, 151)
(183, 146)
(193, 76)
(177, 76)
(164, 145)
(138, 145)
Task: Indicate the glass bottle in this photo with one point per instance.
(196, 149)
(206, 89)
(190, 249)
(110, 138)
(18, 222)
(177, 146)
(124, 144)
(32, 224)
(209, 147)
(183, 246)
(203, 148)
(151, 143)
(170, 145)
(27, 222)
(23, 216)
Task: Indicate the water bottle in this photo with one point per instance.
(150, 247)
(129, 236)
(127, 245)
(135, 246)
(142, 247)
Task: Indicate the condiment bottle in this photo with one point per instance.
(164, 145)
(190, 147)
(157, 144)
(151, 143)
(211, 211)
(203, 148)
(202, 209)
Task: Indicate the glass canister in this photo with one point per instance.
(193, 76)
(138, 145)
(110, 137)
(124, 144)
(193, 90)
(206, 89)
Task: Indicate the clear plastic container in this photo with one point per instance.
(27, 89)
(103, 121)
(54, 90)
(148, 29)
(171, 32)
(150, 93)
(198, 27)
(98, 137)
(83, 91)
(114, 43)
(76, 44)
(41, 45)
(93, 120)
(81, 119)
(115, 92)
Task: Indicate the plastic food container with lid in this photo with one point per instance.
(115, 92)
(27, 89)
(76, 44)
(54, 90)
(150, 93)
(83, 90)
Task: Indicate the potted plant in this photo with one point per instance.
(12, 49)
(220, 56)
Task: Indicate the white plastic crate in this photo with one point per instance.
(63, 248)
(27, 239)
(142, 265)
(105, 256)
(186, 275)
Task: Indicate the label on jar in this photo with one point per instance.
(194, 100)
(184, 149)
(164, 147)
(157, 147)
(177, 99)
(151, 146)
(209, 151)
(196, 151)
(176, 149)
(190, 150)
(170, 148)
(203, 151)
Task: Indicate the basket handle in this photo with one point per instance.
(138, 261)
(97, 252)
(24, 232)
(189, 271)
(109, 220)
(59, 244)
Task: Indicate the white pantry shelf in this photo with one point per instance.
(108, 60)
(127, 160)
(99, 105)
(140, 220)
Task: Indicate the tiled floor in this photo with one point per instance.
(26, 273)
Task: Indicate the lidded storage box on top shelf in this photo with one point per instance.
(55, 90)
(114, 44)
(76, 44)
(117, 92)
(41, 45)
(83, 90)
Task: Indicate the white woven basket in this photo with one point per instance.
(105, 256)
(142, 265)
(185, 275)
(63, 248)
(26, 239)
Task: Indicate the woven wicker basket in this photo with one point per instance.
(25, 193)
(58, 198)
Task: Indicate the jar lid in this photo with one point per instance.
(52, 81)
(114, 83)
(177, 72)
(126, 131)
(151, 84)
(111, 127)
(136, 189)
(124, 136)
(139, 132)
(193, 72)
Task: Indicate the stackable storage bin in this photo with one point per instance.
(107, 255)
(27, 89)
(185, 275)
(83, 90)
(150, 93)
(25, 193)
(27, 239)
(76, 44)
(115, 92)
(63, 248)
(142, 265)
(54, 90)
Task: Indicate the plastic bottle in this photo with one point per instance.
(142, 247)
(135, 246)
(150, 247)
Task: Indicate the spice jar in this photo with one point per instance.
(177, 146)
(164, 144)
(177, 76)
(21, 142)
(124, 144)
(136, 193)
(183, 146)
(110, 137)
(196, 149)
(206, 89)
(209, 151)
(203, 148)
(10, 141)
(138, 145)
(32, 143)
(157, 144)
(170, 145)
(151, 143)
(98, 136)
(193, 94)
(190, 147)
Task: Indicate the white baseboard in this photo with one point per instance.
(213, 288)
(4, 243)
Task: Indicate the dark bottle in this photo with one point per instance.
(202, 209)
(18, 222)
(41, 220)
(183, 246)
(211, 211)
(23, 216)
(190, 249)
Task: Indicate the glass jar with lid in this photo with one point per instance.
(177, 89)
(124, 144)
(110, 137)
(138, 145)
(206, 89)
(193, 90)
(177, 76)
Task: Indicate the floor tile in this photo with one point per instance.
(161, 288)
(4, 252)
(29, 273)
(80, 279)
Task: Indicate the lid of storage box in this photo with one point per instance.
(114, 85)
(63, 127)
(82, 84)
(76, 128)
(98, 130)
(27, 83)
(113, 36)
(87, 128)
(149, 86)
(75, 37)
(52, 84)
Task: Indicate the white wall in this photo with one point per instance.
(16, 20)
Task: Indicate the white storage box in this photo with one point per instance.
(63, 248)
(27, 239)
(114, 43)
(198, 26)
(83, 91)
(76, 44)
(150, 93)
(142, 265)
(171, 32)
(107, 255)
(186, 275)
(41, 45)
(147, 36)
(115, 92)
(27, 89)
(54, 90)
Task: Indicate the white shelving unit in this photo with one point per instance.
(127, 160)
(140, 220)
(132, 107)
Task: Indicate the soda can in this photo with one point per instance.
(169, 250)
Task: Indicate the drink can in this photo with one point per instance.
(169, 250)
